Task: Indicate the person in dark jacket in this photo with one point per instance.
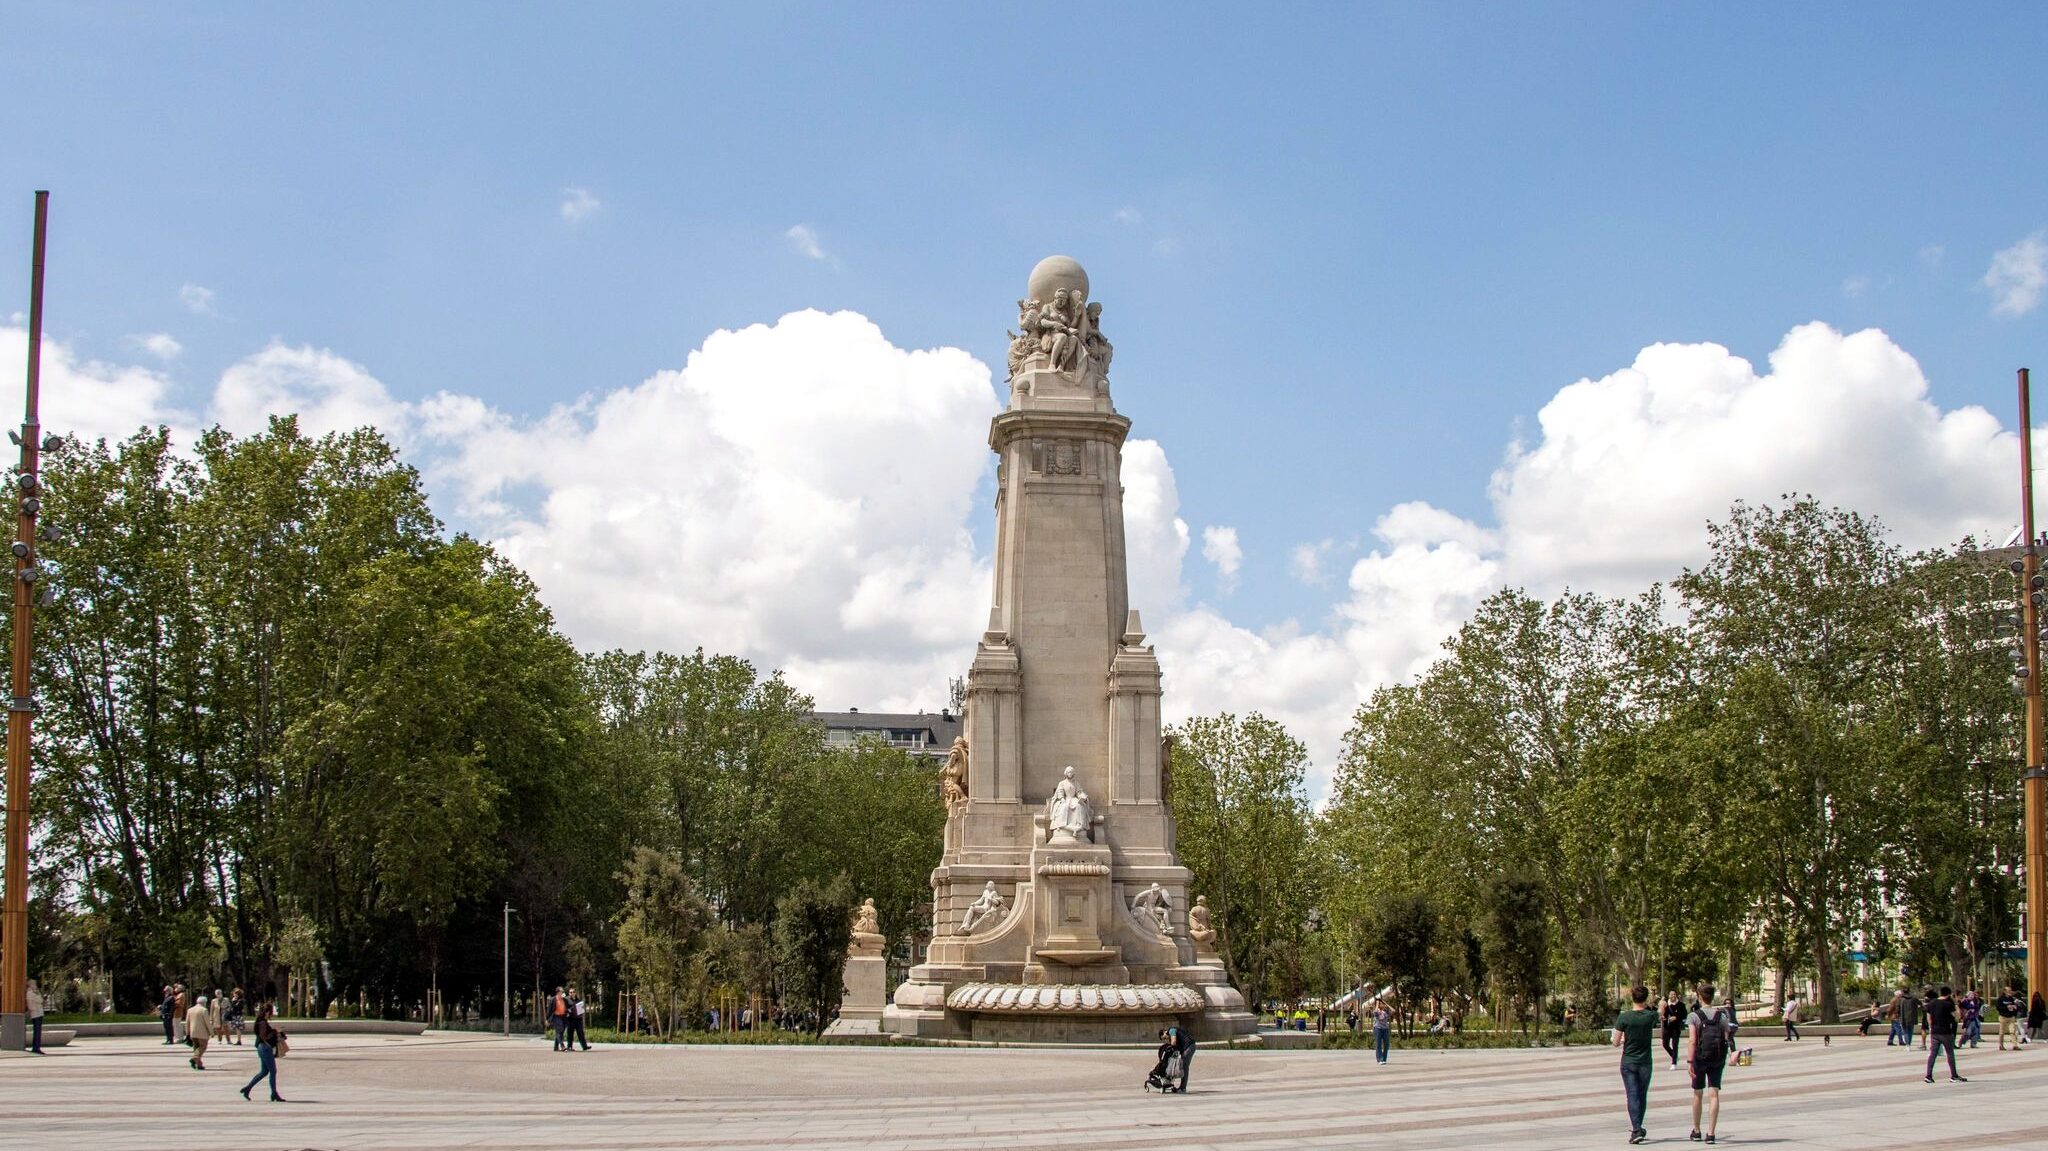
(2037, 1017)
(267, 1036)
(1674, 1025)
(1941, 1034)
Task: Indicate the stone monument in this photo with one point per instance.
(865, 978)
(1058, 902)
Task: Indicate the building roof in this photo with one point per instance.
(939, 728)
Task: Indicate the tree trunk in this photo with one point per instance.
(1824, 972)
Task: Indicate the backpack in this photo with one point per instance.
(1715, 1031)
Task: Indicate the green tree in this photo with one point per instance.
(1246, 832)
(813, 928)
(658, 922)
(1515, 931)
(1801, 619)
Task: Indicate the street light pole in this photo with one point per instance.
(506, 1002)
(2034, 781)
(20, 704)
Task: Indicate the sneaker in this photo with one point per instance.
(1710, 1137)
(1957, 1079)
(1929, 1079)
(1695, 1136)
(1637, 1137)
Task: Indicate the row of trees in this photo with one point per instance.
(291, 729)
(1814, 743)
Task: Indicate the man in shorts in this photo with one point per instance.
(1713, 1040)
(1632, 1030)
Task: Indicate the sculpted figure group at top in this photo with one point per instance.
(1067, 330)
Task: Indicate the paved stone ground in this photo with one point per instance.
(444, 1090)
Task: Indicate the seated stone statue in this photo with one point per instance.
(985, 911)
(867, 930)
(1199, 928)
(1153, 906)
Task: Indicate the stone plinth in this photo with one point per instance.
(866, 994)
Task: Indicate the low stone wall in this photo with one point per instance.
(288, 1026)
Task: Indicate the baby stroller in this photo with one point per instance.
(1171, 1072)
(1165, 1077)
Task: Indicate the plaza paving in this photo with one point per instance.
(446, 1090)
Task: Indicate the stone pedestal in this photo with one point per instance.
(866, 994)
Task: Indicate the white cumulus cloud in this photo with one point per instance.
(1220, 547)
(801, 493)
(2018, 275)
(197, 300)
(578, 205)
(803, 240)
(93, 399)
(162, 345)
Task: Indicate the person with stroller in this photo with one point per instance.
(1176, 1052)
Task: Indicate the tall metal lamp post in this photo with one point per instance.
(20, 704)
(507, 1000)
(2034, 780)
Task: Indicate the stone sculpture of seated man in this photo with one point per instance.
(1153, 906)
(985, 911)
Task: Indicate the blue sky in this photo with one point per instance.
(1347, 252)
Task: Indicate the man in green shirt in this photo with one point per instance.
(1632, 1030)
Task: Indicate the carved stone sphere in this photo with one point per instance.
(1054, 273)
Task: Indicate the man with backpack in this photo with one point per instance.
(558, 1018)
(1713, 1039)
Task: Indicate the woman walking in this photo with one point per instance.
(1382, 1030)
(267, 1039)
(1674, 1025)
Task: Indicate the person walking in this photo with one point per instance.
(1941, 1034)
(577, 1032)
(198, 1032)
(558, 1017)
(1909, 1016)
(1972, 1009)
(35, 1018)
(180, 1004)
(268, 1037)
(1632, 1034)
(1792, 1019)
(236, 1006)
(1894, 1012)
(1674, 1025)
(2037, 1017)
(1713, 1038)
(1382, 1030)
(2008, 1008)
(165, 1008)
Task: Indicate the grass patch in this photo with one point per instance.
(1470, 1040)
(746, 1039)
(89, 1017)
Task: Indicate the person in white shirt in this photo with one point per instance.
(199, 1028)
(35, 1017)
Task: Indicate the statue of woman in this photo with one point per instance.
(1058, 804)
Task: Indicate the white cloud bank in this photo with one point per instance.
(801, 493)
